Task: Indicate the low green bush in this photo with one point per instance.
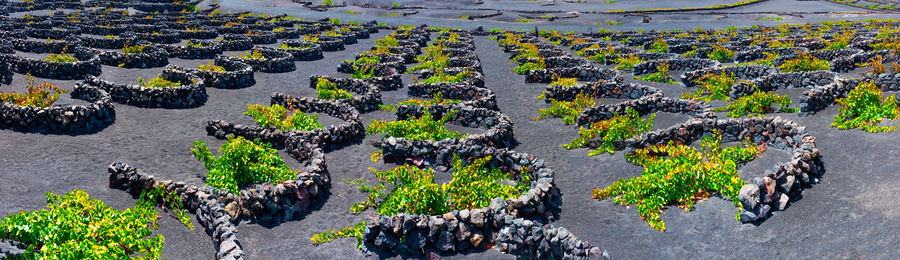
(37, 96)
(864, 108)
(712, 87)
(325, 89)
(756, 104)
(679, 174)
(276, 116)
(242, 162)
(620, 127)
(75, 226)
(804, 62)
(568, 110)
(424, 128)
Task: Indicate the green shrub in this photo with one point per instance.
(66, 58)
(841, 40)
(659, 46)
(600, 56)
(620, 127)
(769, 60)
(440, 77)
(76, 226)
(194, 44)
(568, 110)
(675, 173)
(255, 54)
(804, 62)
(387, 41)
(566, 82)
(434, 59)
(890, 44)
(134, 48)
(781, 44)
(524, 21)
(721, 53)
(526, 50)
(284, 46)
(158, 195)
(415, 191)
(712, 87)
(276, 116)
(37, 96)
(157, 82)
(325, 89)
(437, 99)
(348, 231)
(242, 162)
(661, 75)
(368, 59)
(363, 71)
(529, 66)
(424, 128)
(756, 104)
(864, 108)
(627, 62)
(209, 66)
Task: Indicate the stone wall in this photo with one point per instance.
(237, 74)
(582, 73)
(600, 89)
(88, 64)
(648, 67)
(774, 188)
(499, 133)
(513, 225)
(275, 61)
(645, 106)
(6, 74)
(152, 56)
(366, 96)
(236, 42)
(67, 119)
(311, 51)
(206, 50)
(748, 72)
(819, 98)
(183, 96)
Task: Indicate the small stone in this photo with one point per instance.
(476, 217)
(445, 241)
(386, 240)
(463, 232)
(417, 239)
(233, 209)
(783, 201)
(749, 196)
(755, 214)
(477, 237)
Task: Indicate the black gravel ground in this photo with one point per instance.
(852, 213)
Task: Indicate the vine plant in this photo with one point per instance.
(568, 110)
(242, 162)
(37, 96)
(756, 104)
(424, 128)
(276, 116)
(712, 87)
(325, 89)
(437, 99)
(675, 173)
(864, 108)
(661, 75)
(620, 127)
(75, 226)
